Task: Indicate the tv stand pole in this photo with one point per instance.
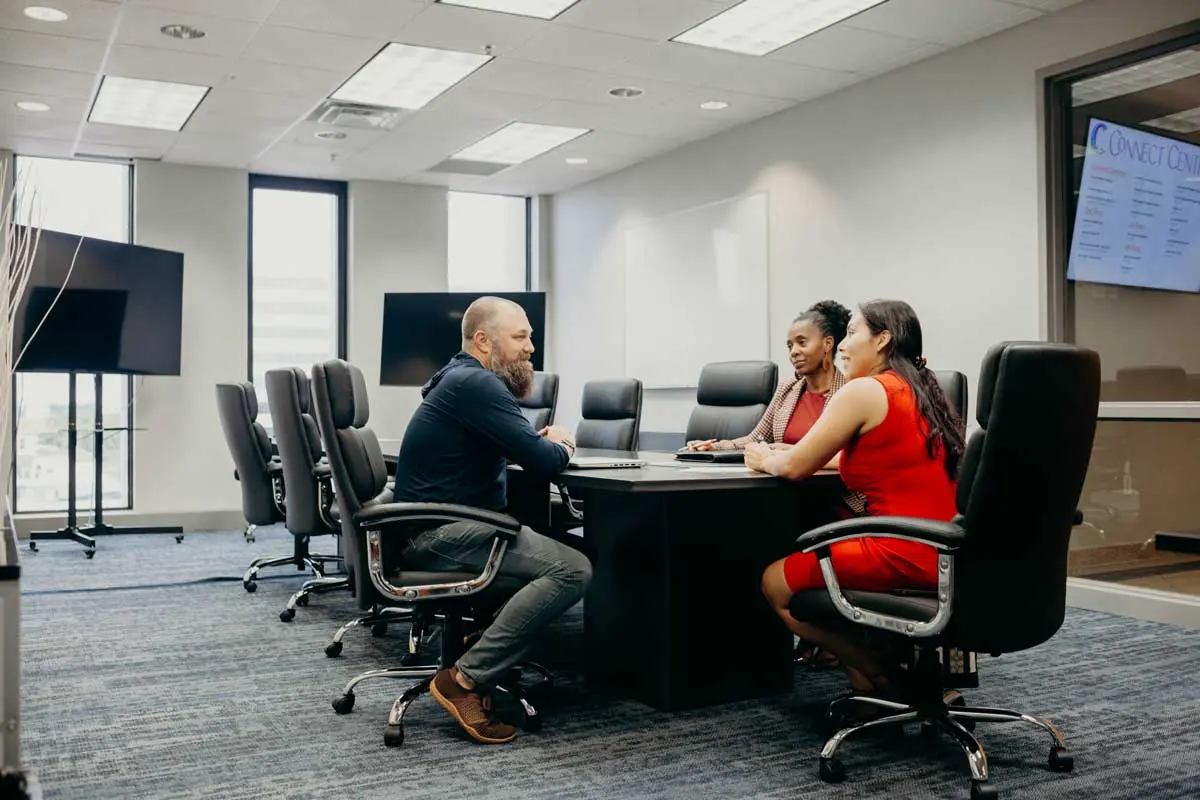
(99, 527)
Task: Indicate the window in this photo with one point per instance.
(297, 275)
(91, 199)
(488, 248)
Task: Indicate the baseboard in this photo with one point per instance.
(190, 521)
(1134, 601)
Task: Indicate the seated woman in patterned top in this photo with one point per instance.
(812, 341)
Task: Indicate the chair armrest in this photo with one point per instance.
(935, 533)
(274, 466)
(377, 516)
(322, 469)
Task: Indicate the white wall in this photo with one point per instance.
(397, 244)
(181, 463)
(921, 185)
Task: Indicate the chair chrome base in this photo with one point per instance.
(952, 717)
(317, 585)
(314, 562)
(378, 620)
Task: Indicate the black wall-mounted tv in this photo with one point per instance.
(120, 312)
(423, 330)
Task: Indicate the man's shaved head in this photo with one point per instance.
(497, 332)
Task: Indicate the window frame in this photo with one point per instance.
(1054, 166)
(338, 189)
(130, 410)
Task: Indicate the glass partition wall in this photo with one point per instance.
(1124, 279)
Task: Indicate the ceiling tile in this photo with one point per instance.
(107, 150)
(284, 157)
(230, 150)
(367, 18)
(639, 123)
(779, 79)
(34, 146)
(130, 61)
(1044, 5)
(256, 76)
(742, 107)
(252, 106)
(222, 36)
(680, 63)
(567, 83)
(944, 23)
(89, 19)
(221, 125)
(848, 49)
(46, 82)
(356, 139)
(657, 20)
(470, 30)
(490, 104)
(291, 46)
(38, 126)
(51, 52)
(582, 49)
(126, 135)
(255, 10)
(61, 108)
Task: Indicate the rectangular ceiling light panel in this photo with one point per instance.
(407, 76)
(542, 9)
(518, 142)
(140, 103)
(756, 27)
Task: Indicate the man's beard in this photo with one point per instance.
(517, 375)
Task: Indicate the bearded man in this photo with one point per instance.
(456, 450)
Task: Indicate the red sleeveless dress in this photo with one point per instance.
(890, 465)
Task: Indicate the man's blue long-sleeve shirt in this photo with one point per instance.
(460, 439)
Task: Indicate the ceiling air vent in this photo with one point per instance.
(336, 113)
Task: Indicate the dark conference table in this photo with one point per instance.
(674, 616)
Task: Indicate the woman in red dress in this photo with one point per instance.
(896, 439)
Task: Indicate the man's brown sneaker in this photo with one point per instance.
(467, 707)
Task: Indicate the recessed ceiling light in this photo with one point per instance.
(714, 105)
(577, 160)
(407, 76)
(45, 14)
(31, 105)
(756, 27)
(542, 9)
(330, 135)
(518, 142)
(185, 32)
(626, 91)
(145, 104)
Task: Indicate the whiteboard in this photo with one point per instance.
(696, 291)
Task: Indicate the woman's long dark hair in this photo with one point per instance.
(903, 355)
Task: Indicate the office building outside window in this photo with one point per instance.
(488, 243)
(90, 199)
(297, 276)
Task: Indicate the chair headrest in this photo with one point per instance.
(339, 381)
(954, 384)
(544, 393)
(244, 390)
(1037, 368)
(362, 401)
(303, 390)
(292, 380)
(737, 383)
(613, 399)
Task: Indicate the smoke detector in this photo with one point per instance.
(339, 114)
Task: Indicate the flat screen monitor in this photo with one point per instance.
(1137, 218)
(120, 311)
(423, 330)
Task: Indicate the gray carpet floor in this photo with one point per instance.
(194, 689)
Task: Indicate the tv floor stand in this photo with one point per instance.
(86, 535)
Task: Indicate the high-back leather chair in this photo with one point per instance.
(954, 384)
(1002, 562)
(539, 407)
(374, 531)
(308, 511)
(731, 398)
(256, 467)
(612, 415)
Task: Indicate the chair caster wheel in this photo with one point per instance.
(379, 629)
(302, 600)
(287, 615)
(333, 649)
(1061, 759)
(33, 546)
(250, 586)
(344, 704)
(832, 770)
(393, 735)
(90, 552)
(410, 660)
(179, 539)
(532, 723)
(983, 791)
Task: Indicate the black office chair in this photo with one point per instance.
(954, 384)
(731, 398)
(256, 468)
(1002, 563)
(539, 407)
(309, 508)
(375, 530)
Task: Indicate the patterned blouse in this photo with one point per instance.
(775, 420)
